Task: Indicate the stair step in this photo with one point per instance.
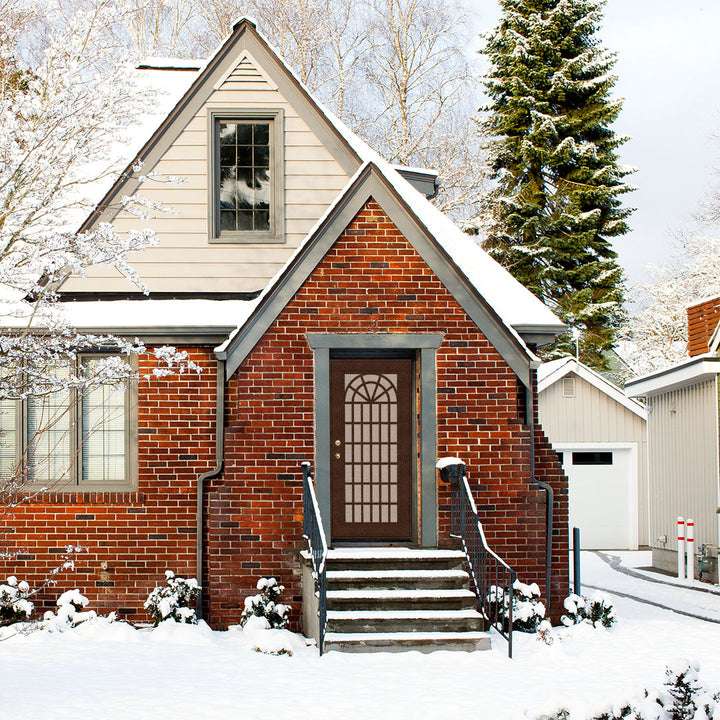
(384, 558)
(452, 599)
(401, 641)
(410, 579)
(390, 621)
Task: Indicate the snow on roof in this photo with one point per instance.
(511, 300)
(688, 372)
(550, 372)
(113, 315)
(168, 63)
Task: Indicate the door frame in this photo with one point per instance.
(425, 346)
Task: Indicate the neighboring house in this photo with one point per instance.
(683, 433)
(338, 318)
(601, 437)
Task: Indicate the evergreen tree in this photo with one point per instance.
(556, 202)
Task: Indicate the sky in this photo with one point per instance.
(668, 68)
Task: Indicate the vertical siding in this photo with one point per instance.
(683, 434)
(185, 260)
(594, 417)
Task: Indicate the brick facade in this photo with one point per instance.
(703, 318)
(128, 539)
(371, 281)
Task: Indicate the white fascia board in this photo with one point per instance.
(570, 364)
(691, 372)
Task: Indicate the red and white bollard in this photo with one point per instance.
(690, 549)
(681, 548)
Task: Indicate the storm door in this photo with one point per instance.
(371, 408)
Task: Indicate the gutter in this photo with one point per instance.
(215, 472)
(549, 495)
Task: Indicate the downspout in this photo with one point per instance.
(219, 462)
(549, 497)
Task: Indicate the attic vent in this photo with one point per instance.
(569, 387)
(245, 72)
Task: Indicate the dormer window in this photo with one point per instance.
(246, 195)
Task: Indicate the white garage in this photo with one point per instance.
(603, 494)
(602, 436)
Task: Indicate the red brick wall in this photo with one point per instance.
(372, 280)
(703, 318)
(138, 534)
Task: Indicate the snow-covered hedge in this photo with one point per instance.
(527, 610)
(265, 605)
(14, 604)
(173, 601)
(70, 613)
(683, 696)
(596, 610)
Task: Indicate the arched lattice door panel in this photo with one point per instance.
(371, 441)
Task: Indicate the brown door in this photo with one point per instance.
(370, 446)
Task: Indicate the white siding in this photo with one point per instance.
(185, 260)
(683, 437)
(591, 416)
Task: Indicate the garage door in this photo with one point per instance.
(603, 496)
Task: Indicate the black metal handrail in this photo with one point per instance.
(317, 544)
(492, 577)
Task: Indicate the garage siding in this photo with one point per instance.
(591, 416)
(684, 461)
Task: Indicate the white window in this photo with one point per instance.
(71, 439)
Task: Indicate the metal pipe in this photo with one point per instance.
(576, 561)
(219, 463)
(550, 497)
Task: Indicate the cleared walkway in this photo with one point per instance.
(620, 574)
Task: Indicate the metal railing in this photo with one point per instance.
(492, 577)
(317, 544)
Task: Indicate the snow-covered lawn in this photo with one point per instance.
(109, 671)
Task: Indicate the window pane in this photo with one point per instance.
(103, 434)
(49, 420)
(244, 176)
(8, 439)
(592, 458)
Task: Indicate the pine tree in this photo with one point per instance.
(556, 205)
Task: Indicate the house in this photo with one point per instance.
(683, 433)
(601, 436)
(338, 318)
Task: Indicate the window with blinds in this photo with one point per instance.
(70, 439)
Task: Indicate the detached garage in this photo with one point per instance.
(601, 437)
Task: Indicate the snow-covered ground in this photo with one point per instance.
(109, 671)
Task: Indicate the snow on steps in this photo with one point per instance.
(390, 599)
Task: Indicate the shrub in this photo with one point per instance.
(527, 610)
(14, 604)
(264, 605)
(596, 611)
(172, 601)
(71, 612)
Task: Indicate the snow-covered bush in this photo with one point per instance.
(14, 604)
(172, 601)
(527, 610)
(596, 610)
(682, 697)
(70, 613)
(265, 605)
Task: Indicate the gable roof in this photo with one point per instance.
(515, 312)
(551, 372)
(473, 278)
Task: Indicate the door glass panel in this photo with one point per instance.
(371, 473)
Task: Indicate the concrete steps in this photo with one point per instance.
(394, 599)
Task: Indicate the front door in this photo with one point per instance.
(371, 465)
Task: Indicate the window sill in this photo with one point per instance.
(87, 497)
(247, 239)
